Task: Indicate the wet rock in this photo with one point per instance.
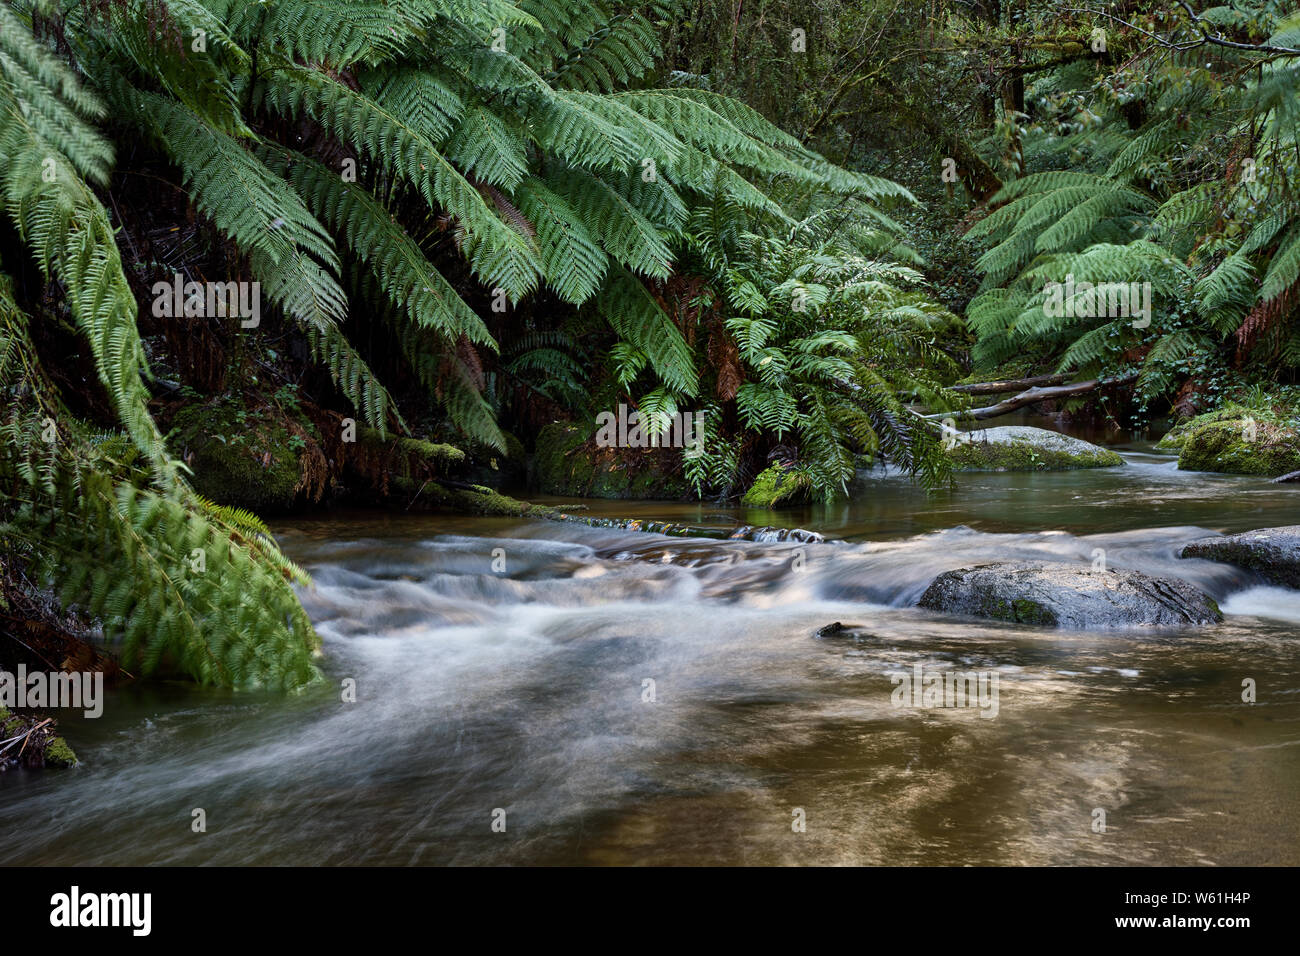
(1272, 553)
(845, 632)
(1022, 448)
(766, 534)
(1293, 477)
(1069, 596)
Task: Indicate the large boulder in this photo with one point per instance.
(1238, 441)
(1023, 448)
(1272, 553)
(252, 456)
(1069, 596)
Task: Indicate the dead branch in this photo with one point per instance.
(1030, 396)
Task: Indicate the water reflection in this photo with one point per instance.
(524, 689)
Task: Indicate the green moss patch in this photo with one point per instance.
(1242, 446)
(241, 456)
(779, 486)
(1020, 448)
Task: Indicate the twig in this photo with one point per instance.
(27, 736)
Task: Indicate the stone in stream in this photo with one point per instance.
(1022, 448)
(1069, 596)
(1236, 440)
(1272, 553)
(837, 629)
(751, 533)
(1292, 477)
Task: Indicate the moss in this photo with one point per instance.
(240, 458)
(565, 463)
(54, 753)
(478, 499)
(1227, 445)
(1176, 437)
(427, 451)
(59, 754)
(1031, 612)
(1019, 611)
(1023, 456)
(777, 487)
(1011, 370)
(407, 455)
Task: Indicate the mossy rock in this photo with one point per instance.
(54, 753)
(1252, 444)
(1059, 595)
(59, 754)
(1022, 448)
(779, 486)
(241, 457)
(566, 463)
(1176, 437)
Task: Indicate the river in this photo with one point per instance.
(617, 697)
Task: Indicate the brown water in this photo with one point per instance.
(522, 689)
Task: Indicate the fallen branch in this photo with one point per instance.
(1030, 396)
(1009, 385)
(47, 720)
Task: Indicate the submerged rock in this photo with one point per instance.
(1069, 596)
(1272, 553)
(1023, 448)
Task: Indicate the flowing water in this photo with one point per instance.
(504, 665)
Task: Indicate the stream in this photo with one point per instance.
(503, 665)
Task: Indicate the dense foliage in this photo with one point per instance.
(465, 174)
(472, 217)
